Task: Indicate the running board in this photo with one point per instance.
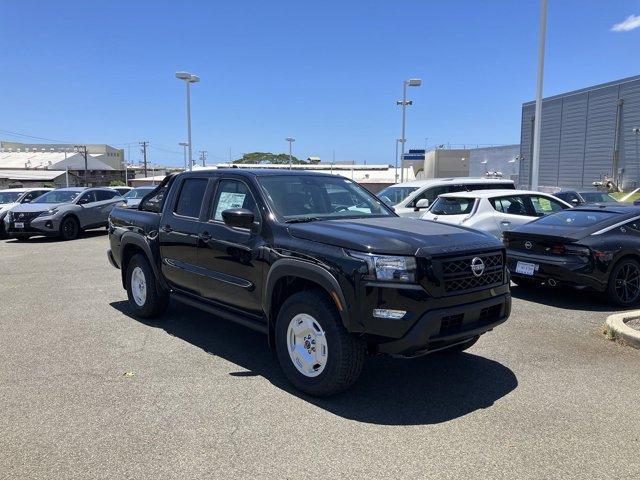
(222, 313)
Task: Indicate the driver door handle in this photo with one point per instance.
(505, 222)
(167, 229)
(206, 236)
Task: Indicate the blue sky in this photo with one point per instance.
(327, 73)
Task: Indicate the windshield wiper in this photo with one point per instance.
(302, 219)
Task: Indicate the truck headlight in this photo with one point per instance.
(388, 268)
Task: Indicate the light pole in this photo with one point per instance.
(188, 78)
(412, 82)
(290, 140)
(535, 161)
(636, 131)
(83, 150)
(184, 146)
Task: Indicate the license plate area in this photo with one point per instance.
(526, 268)
(19, 225)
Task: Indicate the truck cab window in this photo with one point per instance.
(190, 197)
(233, 194)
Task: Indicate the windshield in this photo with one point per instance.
(597, 197)
(138, 192)
(307, 197)
(452, 206)
(58, 196)
(575, 218)
(395, 194)
(9, 197)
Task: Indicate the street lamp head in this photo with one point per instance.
(414, 82)
(183, 144)
(290, 139)
(194, 79)
(183, 75)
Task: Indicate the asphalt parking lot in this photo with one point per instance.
(87, 391)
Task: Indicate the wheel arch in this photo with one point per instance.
(298, 275)
(132, 244)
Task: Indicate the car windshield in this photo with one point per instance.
(58, 196)
(575, 218)
(395, 194)
(597, 197)
(9, 197)
(452, 206)
(306, 198)
(138, 192)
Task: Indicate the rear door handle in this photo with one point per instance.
(206, 236)
(505, 222)
(167, 229)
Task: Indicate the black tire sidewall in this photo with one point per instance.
(150, 307)
(613, 296)
(63, 234)
(328, 319)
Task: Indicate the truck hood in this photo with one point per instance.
(37, 207)
(394, 236)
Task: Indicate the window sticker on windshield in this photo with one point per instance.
(228, 200)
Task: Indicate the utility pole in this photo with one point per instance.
(83, 150)
(203, 157)
(144, 145)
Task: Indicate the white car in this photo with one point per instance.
(493, 211)
(411, 199)
(15, 196)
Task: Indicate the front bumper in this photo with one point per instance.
(440, 328)
(571, 271)
(48, 226)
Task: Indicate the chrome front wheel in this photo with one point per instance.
(307, 345)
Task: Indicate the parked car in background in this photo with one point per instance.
(133, 197)
(575, 197)
(595, 247)
(64, 212)
(320, 265)
(493, 211)
(411, 199)
(122, 191)
(15, 196)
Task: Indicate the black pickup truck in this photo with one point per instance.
(320, 265)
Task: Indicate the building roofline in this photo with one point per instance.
(586, 89)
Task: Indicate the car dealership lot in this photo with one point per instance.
(87, 391)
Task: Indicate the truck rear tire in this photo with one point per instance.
(317, 354)
(144, 299)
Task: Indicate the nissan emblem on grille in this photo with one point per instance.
(528, 245)
(21, 215)
(477, 266)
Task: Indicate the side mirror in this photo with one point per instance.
(238, 217)
(422, 203)
(575, 201)
(27, 200)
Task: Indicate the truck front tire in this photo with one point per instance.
(315, 351)
(144, 299)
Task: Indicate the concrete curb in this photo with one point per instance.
(616, 324)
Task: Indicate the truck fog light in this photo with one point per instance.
(388, 314)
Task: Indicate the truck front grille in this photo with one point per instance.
(459, 275)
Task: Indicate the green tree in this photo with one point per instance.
(268, 157)
(117, 183)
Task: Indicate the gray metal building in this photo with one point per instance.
(585, 134)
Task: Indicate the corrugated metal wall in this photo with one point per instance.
(578, 136)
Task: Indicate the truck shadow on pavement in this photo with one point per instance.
(426, 390)
(565, 298)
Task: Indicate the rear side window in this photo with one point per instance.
(190, 197)
(510, 205)
(88, 197)
(105, 195)
(544, 206)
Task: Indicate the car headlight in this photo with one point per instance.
(51, 211)
(388, 268)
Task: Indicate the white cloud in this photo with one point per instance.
(630, 23)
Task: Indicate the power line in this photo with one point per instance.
(8, 132)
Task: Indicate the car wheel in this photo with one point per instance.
(315, 351)
(460, 347)
(69, 228)
(624, 283)
(144, 298)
